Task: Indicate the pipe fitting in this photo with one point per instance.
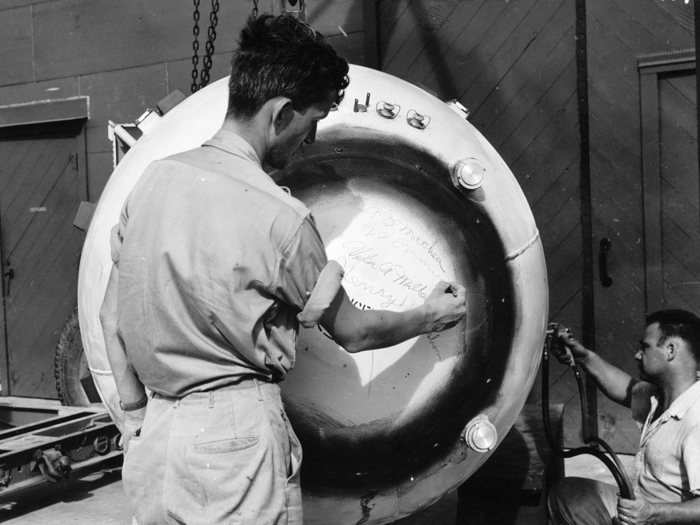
(468, 173)
(480, 434)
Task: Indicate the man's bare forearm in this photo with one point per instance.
(613, 381)
(382, 328)
(357, 330)
(130, 388)
(677, 513)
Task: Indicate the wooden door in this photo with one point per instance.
(41, 186)
(667, 275)
(672, 194)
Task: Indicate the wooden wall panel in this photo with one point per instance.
(513, 65)
(9, 4)
(118, 96)
(350, 46)
(125, 56)
(619, 31)
(514, 140)
(680, 190)
(73, 37)
(46, 90)
(179, 72)
(109, 35)
(16, 49)
(128, 55)
(40, 186)
(516, 92)
(526, 34)
(99, 167)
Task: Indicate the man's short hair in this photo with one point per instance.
(282, 56)
(678, 323)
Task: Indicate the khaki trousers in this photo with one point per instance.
(228, 456)
(581, 501)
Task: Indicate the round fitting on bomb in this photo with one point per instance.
(480, 435)
(468, 173)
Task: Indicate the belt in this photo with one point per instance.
(243, 383)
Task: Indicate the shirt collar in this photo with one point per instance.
(234, 144)
(686, 400)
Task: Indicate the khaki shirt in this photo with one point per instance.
(215, 261)
(668, 462)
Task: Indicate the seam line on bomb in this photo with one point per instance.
(520, 251)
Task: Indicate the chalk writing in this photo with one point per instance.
(393, 272)
(386, 298)
(383, 225)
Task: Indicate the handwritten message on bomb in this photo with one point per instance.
(390, 262)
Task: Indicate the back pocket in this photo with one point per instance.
(224, 446)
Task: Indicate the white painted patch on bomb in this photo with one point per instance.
(394, 252)
(393, 259)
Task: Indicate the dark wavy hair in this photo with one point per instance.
(282, 56)
(678, 323)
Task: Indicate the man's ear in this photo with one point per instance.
(282, 113)
(671, 348)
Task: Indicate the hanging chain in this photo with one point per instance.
(195, 47)
(255, 9)
(203, 76)
(209, 46)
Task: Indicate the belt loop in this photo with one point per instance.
(211, 399)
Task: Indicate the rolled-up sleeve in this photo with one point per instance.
(691, 460)
(640, 400)
(303, 260)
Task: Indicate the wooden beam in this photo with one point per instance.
(667, 62)
(44, 111)
(651, 184)
(590, 422)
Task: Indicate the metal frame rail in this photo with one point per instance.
(42, 441)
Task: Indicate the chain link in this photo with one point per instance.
(209, 46)
(203, 76)
(255, 9)
(195, 47)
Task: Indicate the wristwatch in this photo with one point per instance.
(136, 405)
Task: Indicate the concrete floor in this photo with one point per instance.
(96, 500)
(99, 499)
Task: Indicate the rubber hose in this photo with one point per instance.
(611, 461)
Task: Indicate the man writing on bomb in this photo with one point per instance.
(214, 268)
